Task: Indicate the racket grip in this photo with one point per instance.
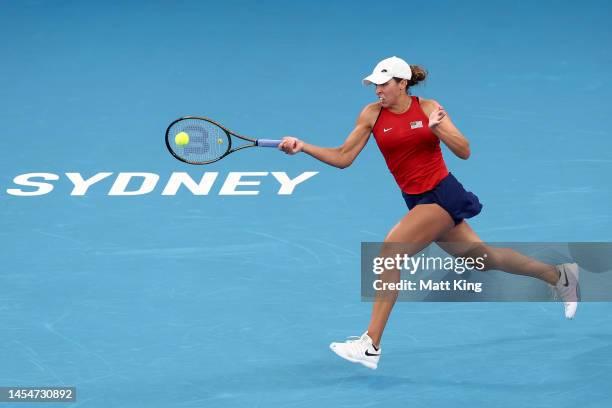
(268, 142)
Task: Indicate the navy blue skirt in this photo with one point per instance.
(450, 195)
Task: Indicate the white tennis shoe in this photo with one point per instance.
(358, 350)
(568, 288)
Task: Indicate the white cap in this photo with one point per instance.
(388, 68)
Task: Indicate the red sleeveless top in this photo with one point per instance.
(410, 148)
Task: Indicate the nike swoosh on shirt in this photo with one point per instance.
(386, 130)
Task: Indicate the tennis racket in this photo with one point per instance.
(198, 140)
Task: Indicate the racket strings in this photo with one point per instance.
(205, 141)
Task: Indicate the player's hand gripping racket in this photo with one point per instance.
(197, 140)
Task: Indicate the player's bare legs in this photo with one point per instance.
(463, 241)
(421, 226)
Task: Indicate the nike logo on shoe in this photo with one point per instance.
(566, 284)
(367, 353)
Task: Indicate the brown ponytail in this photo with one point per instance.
(418, 75)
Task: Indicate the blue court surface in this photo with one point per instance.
(213, 300)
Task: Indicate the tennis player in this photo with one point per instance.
(408, 131)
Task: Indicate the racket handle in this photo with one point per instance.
(268, 142)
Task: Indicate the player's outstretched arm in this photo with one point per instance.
(344, 155)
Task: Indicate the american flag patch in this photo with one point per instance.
(416, 125)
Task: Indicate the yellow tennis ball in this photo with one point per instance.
(181, 139)
(219, 141)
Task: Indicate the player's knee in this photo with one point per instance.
(392, 249)
(483, 257)
(488, 257)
